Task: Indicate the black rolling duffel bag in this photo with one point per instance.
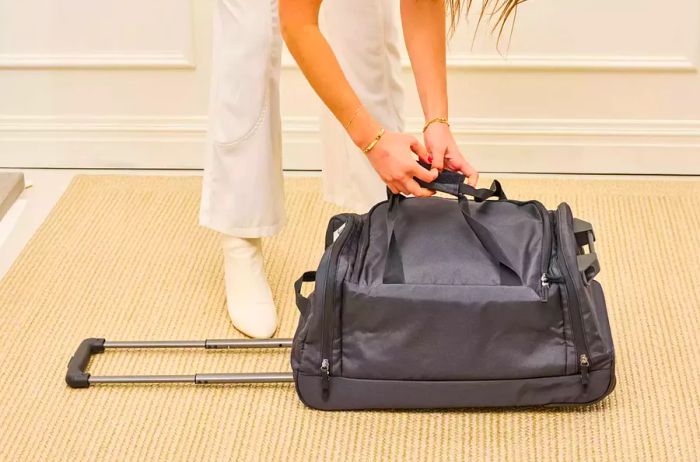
(434, 303)
(441, 303)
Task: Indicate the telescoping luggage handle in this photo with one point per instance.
(78, 377)
(451, 183)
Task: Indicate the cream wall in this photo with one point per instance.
(586, 86)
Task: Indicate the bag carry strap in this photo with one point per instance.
(509, 276)
(303, 302)
(393, 269)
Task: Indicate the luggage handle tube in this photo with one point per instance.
(197, 379)
(206, 344)
(77, 377)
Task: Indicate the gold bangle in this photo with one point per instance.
(442, 120)
(374, 142)
(354, 116)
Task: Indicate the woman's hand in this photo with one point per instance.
(444, 153)
(392, 159)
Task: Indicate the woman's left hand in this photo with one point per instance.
(443, 152)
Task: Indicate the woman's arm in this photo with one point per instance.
(391, 156)
(424, 34)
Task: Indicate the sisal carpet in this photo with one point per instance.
(123, 258)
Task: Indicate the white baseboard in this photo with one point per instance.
(107, 61)
(494, 145)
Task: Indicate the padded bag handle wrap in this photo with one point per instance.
(453, 183)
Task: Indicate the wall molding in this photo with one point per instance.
(570, 63)
(468, 61)
(126, 125)
(526, 145)
(58, 61)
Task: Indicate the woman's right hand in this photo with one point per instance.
(392, 159)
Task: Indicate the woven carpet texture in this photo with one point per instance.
(123, 258)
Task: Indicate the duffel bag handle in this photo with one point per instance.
(303, 302)
(453, 183)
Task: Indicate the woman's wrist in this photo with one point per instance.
(435, 120)
(374, 142)
(363, 130)
(436, 107)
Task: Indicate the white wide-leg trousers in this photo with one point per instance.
(242, 192)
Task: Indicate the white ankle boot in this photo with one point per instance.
(248, 293)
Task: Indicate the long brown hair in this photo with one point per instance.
(499, 9)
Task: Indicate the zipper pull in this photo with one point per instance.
(325, 377)
(544, 281)
(585, 364)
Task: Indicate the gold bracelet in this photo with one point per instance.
(354, 116)
(442, 120)
(374, 142)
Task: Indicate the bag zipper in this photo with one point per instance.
(546, 280)
(546, 249)
(580, 342)
(329, 300)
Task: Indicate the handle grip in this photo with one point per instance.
(303, 302)
(453, 183)
(76, 377)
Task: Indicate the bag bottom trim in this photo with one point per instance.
(358, 394)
